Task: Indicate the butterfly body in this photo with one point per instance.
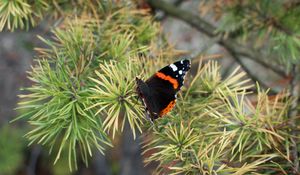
(159, 91)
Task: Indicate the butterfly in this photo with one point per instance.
(159, 92)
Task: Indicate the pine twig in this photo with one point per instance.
(208, 29)
(292, 113)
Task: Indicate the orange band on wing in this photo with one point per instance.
(173, 81)
(168, 108)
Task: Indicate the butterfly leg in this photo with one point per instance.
(147, 114)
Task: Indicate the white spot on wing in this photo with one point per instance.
(180, 72)
(181, 61)
(174, 67)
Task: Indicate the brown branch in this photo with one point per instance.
(293, 112)
(176, 3)
(208, 29)
(251, 75)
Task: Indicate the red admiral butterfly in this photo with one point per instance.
(159, 91)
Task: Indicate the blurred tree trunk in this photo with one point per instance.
(100, 165)
(131, 160)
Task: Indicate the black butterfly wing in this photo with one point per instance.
(148, 97)
(163, 95)
(165, 84)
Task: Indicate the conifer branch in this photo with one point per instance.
(271, 21)
(208, 29)
(83, 88)
(292, 4)
(227, 127)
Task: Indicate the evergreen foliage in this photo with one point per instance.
(73, 101)
(84, 89)
(222, 132)
(273, 24)
(24, 14)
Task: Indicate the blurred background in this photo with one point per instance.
(17, 55)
